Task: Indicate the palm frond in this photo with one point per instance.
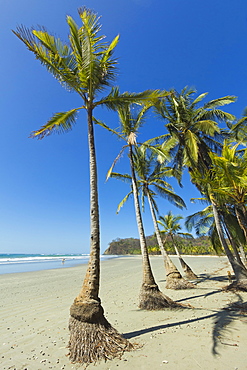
(172, 197)
(208, 127)
(220, 102)
(123, 177)
(198, 99)
(102, 124)
(217, 114)
(109, 173)
(59, 123)
(53, 54)
(191, 141)
(116, 100)
(123, 201)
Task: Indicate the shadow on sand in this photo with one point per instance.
(223, 319)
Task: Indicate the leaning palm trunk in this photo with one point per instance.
(174, 279)
(151, 298)
(241, 217)
(243, 255)
(189, 274)
(239, 270)
(233, 244)
(92, 338)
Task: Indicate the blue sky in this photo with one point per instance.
(163, 44)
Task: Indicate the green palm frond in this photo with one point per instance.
(202, 221)
(163, 151)
(53, 54)
(85, 64)
(59, 123)
(123, 177)
(195, 129)
(191, 141)
(220, 102)
(217, 114)
(123, 201)
(102, 124)
(208, 127)
(172, 197)
(115, 100)
(155, 140)
(109, 173)
(239, 129)
(198, 99)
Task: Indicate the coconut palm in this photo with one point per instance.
(172, 227)
(231, 171)
(204, 224)
(208, 185)
(151, 182)
(238, 129)
(131, 118)
(193, 131)
(86, 66)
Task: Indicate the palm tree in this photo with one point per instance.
(204, 224)
(208, 185)
(238, 128)
(192, 131)
(131, 118)
(231, 171)
(151, 181)
(171, 227)
(86, 66)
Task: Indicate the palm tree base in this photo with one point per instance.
(178, 283)
(92, 338)
(151, 298)
(189, 274)
(240, 285)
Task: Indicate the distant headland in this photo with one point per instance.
(195, 246)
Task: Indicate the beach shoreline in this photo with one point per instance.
(35, 311)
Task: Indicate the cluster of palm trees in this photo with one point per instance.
(192, 139)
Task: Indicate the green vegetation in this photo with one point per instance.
(196, 246)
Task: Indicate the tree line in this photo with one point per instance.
(196, 246)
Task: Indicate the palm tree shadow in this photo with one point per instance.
(224, 319)
(137, 333)
(200, 295)
(204, 277)
(222, 322)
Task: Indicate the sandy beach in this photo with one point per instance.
(34, 308)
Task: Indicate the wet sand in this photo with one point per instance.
(34, 309)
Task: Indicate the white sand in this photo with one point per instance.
(34, 310)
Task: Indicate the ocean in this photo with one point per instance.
(13, 263)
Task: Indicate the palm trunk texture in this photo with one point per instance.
(151, 298)
(92, 338)
(242, 219)
(189, 274)
(174, 279)
(239, 270)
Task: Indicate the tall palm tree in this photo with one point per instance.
(193, 131)
(172, 227)
(208, 185)
(131, 118)
(86, 66)
(204, 224)
(151, 182)
(231, 171)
